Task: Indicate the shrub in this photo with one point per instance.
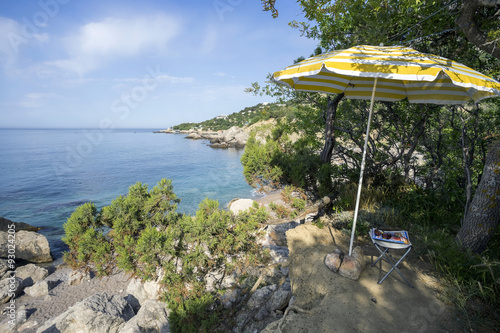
(147, 237)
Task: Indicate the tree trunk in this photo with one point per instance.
(331, 112)
(421, 128)
(484, 213)
(466, 22)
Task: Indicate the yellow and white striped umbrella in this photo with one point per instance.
(401, 72)
(388, 73)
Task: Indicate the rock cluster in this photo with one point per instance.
(349, 266)
(235, 137)
(97, 313)
(139, 311)
(258, 300)
(29, 245)
(19, 244)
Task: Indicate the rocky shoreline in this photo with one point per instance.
(235, 137)
(296, 292)
(42, 299)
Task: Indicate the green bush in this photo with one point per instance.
(279, 161)
(147, 237)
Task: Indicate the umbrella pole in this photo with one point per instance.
(356, 210)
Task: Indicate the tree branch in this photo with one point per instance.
(466, 20)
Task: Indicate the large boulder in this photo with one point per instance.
(233, 137)
(256, 309)
(240, 205)
(15, 318)
(140, 291)
(349, 266)
(41, 288)
(261, 296)
(95, 314)
(353, 265)
(334, 260)
(10, 287)
(30, 246)
(6, 225)
(152, 317)
(31, 274)
(194, 136)
(277, 301)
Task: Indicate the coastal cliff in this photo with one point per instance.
(234, 137)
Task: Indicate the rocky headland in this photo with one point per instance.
(234, 137)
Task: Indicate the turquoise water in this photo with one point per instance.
(46, 174)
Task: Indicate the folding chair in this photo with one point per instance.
(398, 240)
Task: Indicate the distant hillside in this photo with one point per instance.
(247, 116)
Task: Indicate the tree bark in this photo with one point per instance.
(331, 112)
(483, 216)
(467, 24)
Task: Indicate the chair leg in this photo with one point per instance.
(381, 255)
(394, 264)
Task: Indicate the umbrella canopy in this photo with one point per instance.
(388, 73)
(402, 73)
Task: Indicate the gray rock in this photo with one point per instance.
(281, 297)
(10, 287)
(15, 318)
(261, 296)
(279, 254)
(41, 288)
(194, 136)
(152, 317)
(4, 267)
(6, 225)
(77, 277)
(141, 291)
(240, 205)
(31, 274)
(353, 265)
(277, 301)
(220, 280)
(276, 234)
(30, 246)
(230, 297)
(233, 137)
(95, 314)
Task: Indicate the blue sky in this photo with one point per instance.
(138, 64)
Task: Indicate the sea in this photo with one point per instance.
(46, 173)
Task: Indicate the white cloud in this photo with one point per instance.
(210, 40)
(13, 37)
(162, 78)
(10, 39)
(35, 100)
(99, 42)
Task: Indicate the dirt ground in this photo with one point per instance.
(337, 304)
